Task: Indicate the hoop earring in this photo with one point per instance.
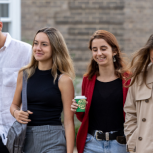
(114, 59)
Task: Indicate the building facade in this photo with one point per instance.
(129, 20)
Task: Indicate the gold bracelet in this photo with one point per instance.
(14, 112)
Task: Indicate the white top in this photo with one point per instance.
(80, 97)
(13, 55)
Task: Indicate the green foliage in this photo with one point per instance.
(28, 41)
(77, 85)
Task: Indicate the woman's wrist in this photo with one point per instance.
(15, 111)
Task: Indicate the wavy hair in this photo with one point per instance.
(112, 41)
(61, 59)
(140, 62)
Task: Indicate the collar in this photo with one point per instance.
(143, 91)
(8, 40)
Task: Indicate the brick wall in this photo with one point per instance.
(129, 20)
(138, 24)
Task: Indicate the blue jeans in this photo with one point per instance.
(101, 146)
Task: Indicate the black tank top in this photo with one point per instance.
(44, 99)
(106, 110)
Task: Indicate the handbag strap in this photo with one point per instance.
(24, 92)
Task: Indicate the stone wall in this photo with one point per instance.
(129, 20)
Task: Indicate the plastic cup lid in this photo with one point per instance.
(80, 97)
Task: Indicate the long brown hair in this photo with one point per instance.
(112, 41)
(60, 55)
(140, 62)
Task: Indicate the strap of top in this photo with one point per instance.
(60, 77)
(24, 92)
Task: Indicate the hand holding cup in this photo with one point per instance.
(74, 106)
(79, 104)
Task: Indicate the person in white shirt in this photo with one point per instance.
(14, 54)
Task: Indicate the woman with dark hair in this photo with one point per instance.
(49, 91)
(139, 104)
(103, 85)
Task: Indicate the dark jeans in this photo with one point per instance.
(3, 148)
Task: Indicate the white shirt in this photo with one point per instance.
(13, 55)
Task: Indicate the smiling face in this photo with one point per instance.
(42, 48)
(102, 52)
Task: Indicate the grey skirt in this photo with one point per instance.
(45, 139)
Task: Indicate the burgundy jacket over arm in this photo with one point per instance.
(87, 90)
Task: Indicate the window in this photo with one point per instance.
(5, 27)
(4, 13)
(10, 16)
(4, 8)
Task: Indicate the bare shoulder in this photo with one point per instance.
(65, 82)
(20, 74)
(65, 79)
(66, 87)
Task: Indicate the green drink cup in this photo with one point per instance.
(81, 101)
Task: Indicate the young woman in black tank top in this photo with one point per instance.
(49, 91)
